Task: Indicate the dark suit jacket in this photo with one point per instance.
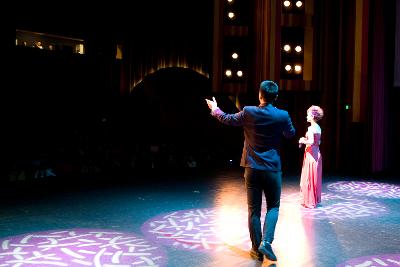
(263, 126)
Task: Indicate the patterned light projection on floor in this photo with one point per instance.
(199, 229)
(368, 189)
(388, 260)
(223, 227)
(335, 206)
(79, 247)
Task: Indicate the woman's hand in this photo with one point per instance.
(302, 140)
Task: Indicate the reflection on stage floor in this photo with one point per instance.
(198, 219)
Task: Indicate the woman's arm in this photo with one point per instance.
(309, 139)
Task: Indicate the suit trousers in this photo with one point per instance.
(257, 182)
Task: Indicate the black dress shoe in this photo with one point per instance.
(266, 249)
(254, 254)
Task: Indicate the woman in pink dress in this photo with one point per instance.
(311, 172)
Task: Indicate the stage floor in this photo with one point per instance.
(196, 220)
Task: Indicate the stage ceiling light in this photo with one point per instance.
(287, 4)
(297, 68)
(288, 68)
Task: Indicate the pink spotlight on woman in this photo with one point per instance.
(311, 172)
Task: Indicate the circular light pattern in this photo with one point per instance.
(80, 247)
(388, 260)
(298, 49)
(230, 1)
(287, 3)
(297, 68)
(334, 206)
(200, 229)
(299, 3)
(288, 67)
(239, 73)
(368, 189)
(212, 229)
(235, 55)
(228, 73)
(287, 48)
(231, 15)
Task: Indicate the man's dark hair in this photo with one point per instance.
(269, 90)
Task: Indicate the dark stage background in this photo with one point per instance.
(93, 115)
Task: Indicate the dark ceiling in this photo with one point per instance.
(117, 19)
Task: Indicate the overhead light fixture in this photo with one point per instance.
(299, 4)
(287, 3)
(288, 68)
(228, 73)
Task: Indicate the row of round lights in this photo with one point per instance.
(228, 73)
(231, 15)
(235, 56)
(293, 68)
(289, 4)
(287, 48)
(297, 68)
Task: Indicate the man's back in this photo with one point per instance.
(264, 127)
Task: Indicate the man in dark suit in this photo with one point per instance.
(263, 126)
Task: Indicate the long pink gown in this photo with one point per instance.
(311, 173)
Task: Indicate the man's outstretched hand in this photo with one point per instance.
(212, 104)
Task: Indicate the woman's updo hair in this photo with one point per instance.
(316, 112)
